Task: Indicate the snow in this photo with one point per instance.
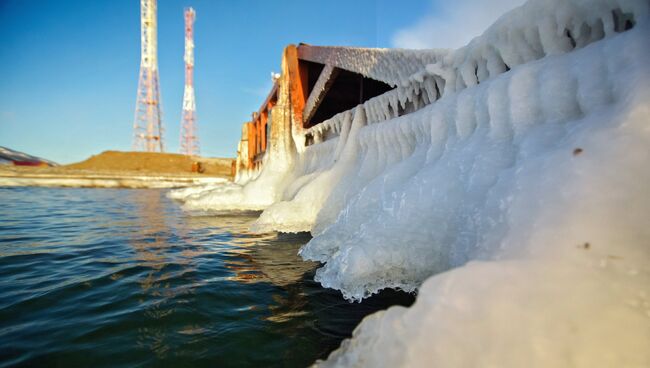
(511, 175)
(193, 190)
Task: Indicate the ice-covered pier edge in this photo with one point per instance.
(511, 174)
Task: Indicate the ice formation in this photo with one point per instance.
(515, 171)
(442, 178)
(392, 66)
(538, 193)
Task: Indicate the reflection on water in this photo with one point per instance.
(123, 277)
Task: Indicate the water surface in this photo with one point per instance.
(115, 277)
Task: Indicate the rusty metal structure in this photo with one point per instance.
(147, 124)
(189, 138)
(315, 84)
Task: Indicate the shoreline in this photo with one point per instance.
(96, 179)
(116, 169)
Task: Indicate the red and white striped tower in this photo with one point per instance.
(147, 124)
(189, 138)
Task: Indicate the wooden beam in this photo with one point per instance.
(323, 84)
(297, 90)
(263, 120)
(260, 143)
(251, 143)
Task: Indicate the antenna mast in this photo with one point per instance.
(147, 124)
(189, 138)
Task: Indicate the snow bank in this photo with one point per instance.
(568, 280)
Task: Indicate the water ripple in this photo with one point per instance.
(124, 278)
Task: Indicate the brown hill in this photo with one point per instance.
(153, 163)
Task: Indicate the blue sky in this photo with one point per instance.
(69, 68)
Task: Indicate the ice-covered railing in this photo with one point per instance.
(404, 100)
(394, 103)
(530, 32)
(326, 130)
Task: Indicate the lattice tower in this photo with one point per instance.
(189, 138)
(147, 124)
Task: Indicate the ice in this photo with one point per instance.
(258, 188)
(253, 191)
(391, 66)
(183, 193)
(567, 282)
(300, 212)
(419, 203)
(509, 314)
(529, 204)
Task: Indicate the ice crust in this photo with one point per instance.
(512, 175)
(391, 66)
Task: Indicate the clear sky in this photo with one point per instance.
(69, 69)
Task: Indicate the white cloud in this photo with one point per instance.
(452, 24)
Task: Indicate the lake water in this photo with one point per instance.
(113, 277)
